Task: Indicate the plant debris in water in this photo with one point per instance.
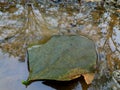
(62, 58)
(31, 24)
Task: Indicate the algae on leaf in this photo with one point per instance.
(62, 58)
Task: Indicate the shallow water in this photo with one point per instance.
(13, 72)
(27, 26)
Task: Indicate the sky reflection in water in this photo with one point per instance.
(13, 72)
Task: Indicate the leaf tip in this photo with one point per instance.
(26, 83)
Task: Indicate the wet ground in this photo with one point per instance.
(24, 26)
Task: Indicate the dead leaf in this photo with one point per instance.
(62, 62)
(118, 10)
(89, 77)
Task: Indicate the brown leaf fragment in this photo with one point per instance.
(89, 77)
(118, 10)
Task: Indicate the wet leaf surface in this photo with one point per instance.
(62, 58)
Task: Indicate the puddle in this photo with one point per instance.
(30, 25)
(13, 72)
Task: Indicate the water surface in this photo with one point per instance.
(23, 27)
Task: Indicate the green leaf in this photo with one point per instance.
(62, 58)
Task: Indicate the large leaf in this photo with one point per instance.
(62, 58)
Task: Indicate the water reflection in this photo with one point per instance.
(77, 84)
(62, 85)
(21, 28)
(13, 72)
